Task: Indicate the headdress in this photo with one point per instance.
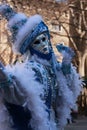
(24, 30)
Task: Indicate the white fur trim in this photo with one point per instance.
(69, 89)
(15, 19)
(26, 29)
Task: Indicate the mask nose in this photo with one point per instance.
(43, 43)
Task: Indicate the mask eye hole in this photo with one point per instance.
(43, 39)
(36, 42)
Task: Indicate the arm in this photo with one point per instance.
(73, 78)
(10, 86)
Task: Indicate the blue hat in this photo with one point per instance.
(24, 30)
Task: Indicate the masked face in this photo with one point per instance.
(41, 44)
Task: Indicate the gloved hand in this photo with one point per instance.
(66, 52)
(68, 55)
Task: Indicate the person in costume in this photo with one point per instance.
(39, 93)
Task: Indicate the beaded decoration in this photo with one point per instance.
(46, 77)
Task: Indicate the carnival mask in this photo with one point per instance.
(41, 44)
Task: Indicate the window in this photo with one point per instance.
(56, 28)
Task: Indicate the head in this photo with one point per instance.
(27, 33)
(38, 42)
(41, 46)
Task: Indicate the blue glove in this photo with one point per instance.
(68, 55)
(66, 52)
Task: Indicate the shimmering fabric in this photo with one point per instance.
(46, 76)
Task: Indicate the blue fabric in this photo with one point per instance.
(49, 100)
(40, 28)
(20, 116)
(48, 97)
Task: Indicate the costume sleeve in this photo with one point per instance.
(24, 90)
(69, 86)
(20, 78)
(13, 92)
(74, 82)
(73, 79)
